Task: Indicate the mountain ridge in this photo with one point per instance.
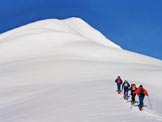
(71, 37)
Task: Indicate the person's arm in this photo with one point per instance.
(129, 88)
(146, 92)
(136, 92)
(122, 85)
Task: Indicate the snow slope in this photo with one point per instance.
(64, 71)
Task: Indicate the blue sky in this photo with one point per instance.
(135, 25)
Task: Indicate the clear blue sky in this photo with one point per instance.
(135, 25)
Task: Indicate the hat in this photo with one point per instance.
(141, 86)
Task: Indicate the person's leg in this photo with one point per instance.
(126, 93)
(141, 102)
(133, 97)
(118, 86)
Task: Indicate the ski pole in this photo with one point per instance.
(149, 101)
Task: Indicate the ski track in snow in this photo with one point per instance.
(90, 101)
(153, 114)
(147, 112)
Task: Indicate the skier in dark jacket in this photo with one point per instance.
(118, 81)
(126, 86)
(133, 88)
(141, 92)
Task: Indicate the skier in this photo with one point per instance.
(125, 86)
(118, 81)
(141, 92)
(133, 88)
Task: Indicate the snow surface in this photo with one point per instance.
(64, 71)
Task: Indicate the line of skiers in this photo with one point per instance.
(140, 91)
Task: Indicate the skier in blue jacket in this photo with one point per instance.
(125, 86)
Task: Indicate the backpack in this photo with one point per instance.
(119, 80)
(142, 92)
(126, 84)
(133, 87)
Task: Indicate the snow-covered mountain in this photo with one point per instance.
(64, 71)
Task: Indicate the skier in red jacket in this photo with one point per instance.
(118, 81)
(141, 92)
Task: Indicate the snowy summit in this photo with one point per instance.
(64, 71)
